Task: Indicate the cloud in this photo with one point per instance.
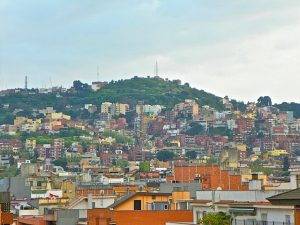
(243, 49)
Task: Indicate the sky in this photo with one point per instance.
(240, 48)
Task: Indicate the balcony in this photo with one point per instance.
(53, 201)
(257, 222)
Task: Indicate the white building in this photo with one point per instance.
(83, 203)
(245, 207)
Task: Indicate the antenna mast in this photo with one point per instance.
(26, 83)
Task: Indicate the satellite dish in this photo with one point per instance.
(141, 187)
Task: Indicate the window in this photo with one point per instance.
(264, 218)
(166, 206)
(137, 205)
(153, 197)
(149, 206)
(287, 219)
(198, 215)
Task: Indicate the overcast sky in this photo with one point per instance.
(240, 48)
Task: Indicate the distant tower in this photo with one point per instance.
(98, 75)
(156, 69)
(50, 79)
(26, 83)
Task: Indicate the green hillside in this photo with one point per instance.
(154, 91)
(295, 107)
(149, 90)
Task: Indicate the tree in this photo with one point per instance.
(79, 86)
(144, 166)
(121, 163)
(262, 169)
(85, 114)
(264, 101)
(219, 131)
(212, 160)
(191, 154)
(10, 172)
(286, 164)
(195, 129)
(61, 162)
(165, 155)
(219, 218)
(25, 113)
(12, 160)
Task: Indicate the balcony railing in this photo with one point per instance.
(257, 222)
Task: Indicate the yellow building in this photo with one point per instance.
(277, 152)
(29, 127)
(58, 116)
(68, 189)
(253, 158)
(107, 141)
(106, 107)
(140, 201)
(150, 201)
(20, 120)
(251, 115)
(241, 147)
(30, 143)
(119, 108)
(248, 177)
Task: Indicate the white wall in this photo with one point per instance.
(83, 205)
(276, 214)
(33, 212)
(239, 196)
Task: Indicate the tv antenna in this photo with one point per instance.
(156, 68)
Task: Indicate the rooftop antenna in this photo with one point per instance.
(26, 83)
(50, 82)
(98, 73)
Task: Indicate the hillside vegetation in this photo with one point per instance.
(154, 91)
(149, 90)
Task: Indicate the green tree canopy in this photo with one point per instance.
(219, 218)
(195, 129)
(144, 166)
(165, 155)
(61, 162)
(264, 101)
(286, 164)
(191, 154)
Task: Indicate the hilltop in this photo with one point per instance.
(151, 90)
(155, 91)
